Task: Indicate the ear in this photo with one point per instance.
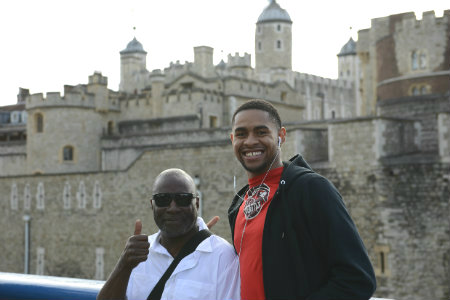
(282, 134)
(197, 202)
(231, 137)
(151, 203)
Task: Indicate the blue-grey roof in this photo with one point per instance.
(349, 48)
(274, 13)
(133, 47)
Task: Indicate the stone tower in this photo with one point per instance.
(133, 67)
(273, 39)
(348, 70)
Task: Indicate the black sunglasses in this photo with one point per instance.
(181, 199)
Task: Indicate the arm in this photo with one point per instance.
(135, 252)
(336, 238)
(228, 278)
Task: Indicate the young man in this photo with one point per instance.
(290, 228)
(210, 272)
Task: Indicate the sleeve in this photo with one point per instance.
(228, 278)
(336, 237)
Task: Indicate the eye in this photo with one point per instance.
(261, 132)
(239, 134)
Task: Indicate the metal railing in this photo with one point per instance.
(23, 286)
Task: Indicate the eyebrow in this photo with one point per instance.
(254, 128)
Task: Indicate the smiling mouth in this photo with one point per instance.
(252, 153)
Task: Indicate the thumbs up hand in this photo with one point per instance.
(136, 248)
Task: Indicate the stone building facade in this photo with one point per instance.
(77, 169)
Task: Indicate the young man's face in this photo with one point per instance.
(255, 141)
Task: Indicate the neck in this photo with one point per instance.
(275, 164)
(174, 244)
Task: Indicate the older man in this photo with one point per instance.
(209, 272)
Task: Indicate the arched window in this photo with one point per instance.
(423, 60)
(278, 27)
(68, 152)
(39, 122)
(278, 44)
(414, 60)
(415, 91)
(424, 90)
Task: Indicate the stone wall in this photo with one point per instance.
(422, 108)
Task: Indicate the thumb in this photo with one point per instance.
(137, 227)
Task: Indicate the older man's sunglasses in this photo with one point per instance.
(181, 199)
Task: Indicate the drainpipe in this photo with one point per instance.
(27, 219)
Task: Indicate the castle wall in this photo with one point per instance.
(444, 136)
(13, 158)
(422, 108)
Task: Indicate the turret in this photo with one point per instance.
(273, 39)
(133, 67)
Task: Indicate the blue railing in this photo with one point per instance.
(22, 286)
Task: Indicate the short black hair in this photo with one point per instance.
(261, 105)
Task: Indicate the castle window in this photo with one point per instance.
(68, 153)
(423, 60)
(110, 127)
(14, 197)
(333, 114)
(424, 90)
(212, 121)
(259, 46)
(40, 196)
(40, 261)
(381, 266)
(278, 44)
(187, 85)
(39, 122)
(415, 91)
(414, 60)
(27, 197)
(97, 195)
(81, 195)
(66, 196)
(99, 264)
(278, 27)
(283, 96)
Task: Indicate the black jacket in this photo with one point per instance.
(311, 248)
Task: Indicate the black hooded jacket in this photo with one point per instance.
(311, 248)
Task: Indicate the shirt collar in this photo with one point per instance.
(205, 245)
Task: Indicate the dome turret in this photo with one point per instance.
(274, 13)
(133, 47)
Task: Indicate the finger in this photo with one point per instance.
(213, 222)
(137, 227)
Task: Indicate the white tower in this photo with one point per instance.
(273, 39)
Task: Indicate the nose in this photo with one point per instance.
(250, 140)
(172, 207)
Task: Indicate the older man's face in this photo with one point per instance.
(174, 220)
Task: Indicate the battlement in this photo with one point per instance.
(55, 99)
(98, 78)
(239, 61)
(176, 69)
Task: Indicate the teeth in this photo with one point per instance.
(249, 154)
